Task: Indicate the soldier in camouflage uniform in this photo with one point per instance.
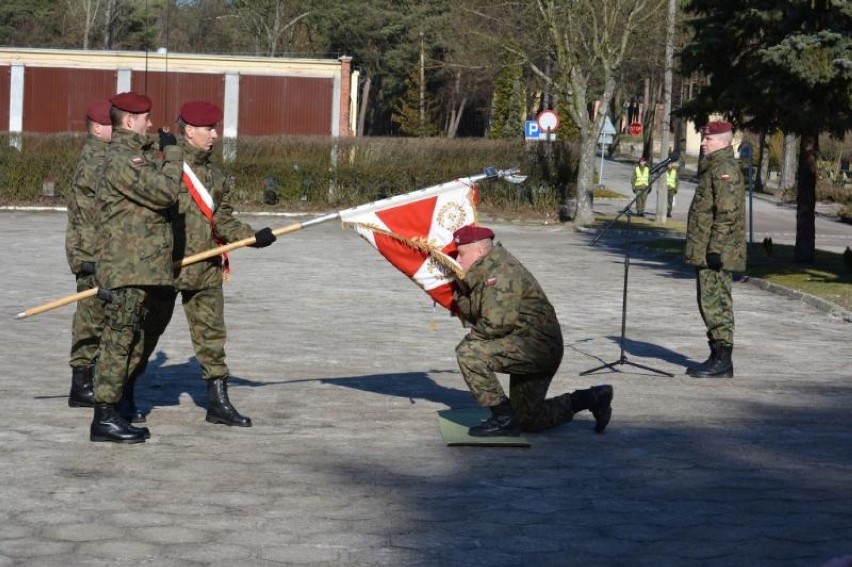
(80, 251)
(205, 190)
(135, 198)
(716, 245)
(514, 330)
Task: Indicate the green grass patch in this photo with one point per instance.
(641, 223)
(829, 278)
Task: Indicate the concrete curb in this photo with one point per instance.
(834, 310)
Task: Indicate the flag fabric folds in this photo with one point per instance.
(414, 232)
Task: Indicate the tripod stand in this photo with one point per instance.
(622, 359)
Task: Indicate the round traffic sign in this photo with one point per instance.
(635, 128)
(547, 120)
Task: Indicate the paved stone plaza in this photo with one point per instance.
(342, 363)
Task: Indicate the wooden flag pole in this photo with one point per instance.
(56, 303)
(510, 175)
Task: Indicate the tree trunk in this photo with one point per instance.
(455, 118)
(662, 187)
(364, 102)
(788, 167)
(583, 201)
(805, 251)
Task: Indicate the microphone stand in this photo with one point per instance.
(656, 171)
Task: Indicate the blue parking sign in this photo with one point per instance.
(531, 130)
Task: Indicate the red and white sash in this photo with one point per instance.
(205, 203)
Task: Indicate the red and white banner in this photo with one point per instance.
(415, 232)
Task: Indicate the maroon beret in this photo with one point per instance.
(131, 102)
(717, 127)
(471, 233)
(99, 112)
(200, 113)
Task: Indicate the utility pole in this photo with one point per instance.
(422, 87)
(662, 188)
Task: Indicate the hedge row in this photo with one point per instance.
(312, 173)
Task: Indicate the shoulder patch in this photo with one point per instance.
(491, 282)
(137, 160)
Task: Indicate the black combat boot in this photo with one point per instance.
(82, 393)
(704, 365)
(598, 400)
(720, 366)
(127, 405)
(108, 425)
(219, 408)
(502, 423)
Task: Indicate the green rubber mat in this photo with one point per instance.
(455, 423)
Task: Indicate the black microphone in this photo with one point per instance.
(674, 156)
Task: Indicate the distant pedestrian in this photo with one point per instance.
(672, 183)
(80, 249)
(641, 184)
(513, 330)
(716, 244)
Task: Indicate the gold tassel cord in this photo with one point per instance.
(419, 244)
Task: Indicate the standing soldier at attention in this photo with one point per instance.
(671, 185)
(135, 199)
(641, 183)
(513, 330)
(80, 250)
(716, 244)
(204, 221)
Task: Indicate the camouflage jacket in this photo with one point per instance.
(193, 232)
(135, 199)
(716, 221)
(503, 299)
(80, 230)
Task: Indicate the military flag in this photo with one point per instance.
(414, 232)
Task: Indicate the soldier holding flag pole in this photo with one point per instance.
(204, 219)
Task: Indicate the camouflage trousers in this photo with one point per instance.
(671, 197)
(86, 326)
(715, 304)
(529, 380)
(641, 198)
(128, 320)
(205, 314)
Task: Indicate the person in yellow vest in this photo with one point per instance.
(671, 185)
(641, 184)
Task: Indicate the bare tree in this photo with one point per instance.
(85, 13)
(587, 41)
(268, 20)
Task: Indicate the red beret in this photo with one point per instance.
(200, 113)
(132, 103)
(717, 127)
(472, 233)
(99, 112)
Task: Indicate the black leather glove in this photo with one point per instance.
(714, 261)
(166, 139)
(264, 238)
(86, 269)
